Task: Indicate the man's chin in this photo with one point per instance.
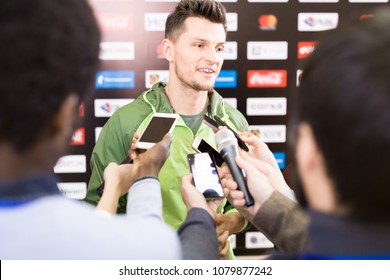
(205, 87)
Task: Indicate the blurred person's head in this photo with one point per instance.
(48, 56)
(195, 36)
(343, 117)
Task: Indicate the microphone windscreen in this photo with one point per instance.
(225, 138)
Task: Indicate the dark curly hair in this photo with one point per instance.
(48, 49)
(207, 9)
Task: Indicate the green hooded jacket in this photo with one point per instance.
(117, 134)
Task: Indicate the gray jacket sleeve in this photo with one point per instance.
(284, 222)
(144, 200)
(198, 236)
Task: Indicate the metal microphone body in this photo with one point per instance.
(227, 146)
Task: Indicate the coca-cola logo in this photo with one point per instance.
(267, 78)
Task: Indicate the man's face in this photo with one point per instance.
(198, 54)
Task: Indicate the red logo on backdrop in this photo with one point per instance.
(115, 22)
(305, 49)
(267, 79)
(159, 51)
(81, 109)
(78, 137)
(365, 16)
(267, 22)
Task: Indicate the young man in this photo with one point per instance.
(48, 56)
(342, 146)
(194, 41)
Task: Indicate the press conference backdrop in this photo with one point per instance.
(267, 41)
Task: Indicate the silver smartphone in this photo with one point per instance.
(159, 125)
(205, 175)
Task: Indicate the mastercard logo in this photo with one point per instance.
(268, 22)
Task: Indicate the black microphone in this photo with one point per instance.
(228, 148)
(100, 189)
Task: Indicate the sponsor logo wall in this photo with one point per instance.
(268, 40)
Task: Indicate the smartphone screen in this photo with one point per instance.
(205, 175)
(202, 146)
(159, 125)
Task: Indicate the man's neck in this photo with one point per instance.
(186, 101)
(15, 166)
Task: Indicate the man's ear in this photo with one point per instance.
(167, 46)
(64, 121)
(318, 187)
(306, 149)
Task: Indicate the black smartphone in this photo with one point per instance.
(159, 125)
(205, 175)
(210, 123)
(201, 146)
(241, 142)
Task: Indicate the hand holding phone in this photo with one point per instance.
(205, 175)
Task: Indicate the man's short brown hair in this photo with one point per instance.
(207, 9)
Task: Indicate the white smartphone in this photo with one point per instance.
(205, 175)
(201, 146)
(159, 125)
